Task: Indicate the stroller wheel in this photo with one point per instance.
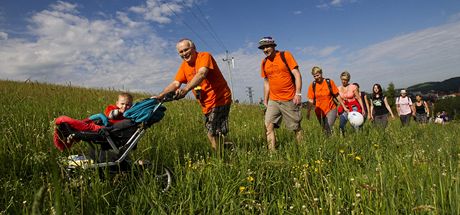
(164, 178)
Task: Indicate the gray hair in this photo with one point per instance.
(190, 42)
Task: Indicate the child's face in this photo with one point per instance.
(123, 103)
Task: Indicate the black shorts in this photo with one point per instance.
(217, 120)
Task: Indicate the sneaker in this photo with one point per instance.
(70, 139)
(229, 145)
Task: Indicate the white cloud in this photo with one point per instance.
(246, 72)
(124, 18)
(158, 11)
(325, 4)
(96, 53)
(297, 12)
(336, 2)
(428, 55)
(64, 7)
(3, 36)
(318, 52)
(454, 17)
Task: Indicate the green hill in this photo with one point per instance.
(446, 86)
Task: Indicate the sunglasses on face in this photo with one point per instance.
(264, 47)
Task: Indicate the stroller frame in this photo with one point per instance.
(165, 176)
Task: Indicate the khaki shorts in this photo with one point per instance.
(216, 121)
(283, 110)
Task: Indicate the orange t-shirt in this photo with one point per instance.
(214, 89)
(324, 100)
(282, 86)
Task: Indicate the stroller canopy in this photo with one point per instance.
(148, 111)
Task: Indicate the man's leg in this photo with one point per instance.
(217, 125)
(272, 119)
(271, 136)
(299, 136)
(213, 140)
(292, 116)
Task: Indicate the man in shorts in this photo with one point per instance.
(201, 75)
(282, 90)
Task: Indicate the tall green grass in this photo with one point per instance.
(406, 170)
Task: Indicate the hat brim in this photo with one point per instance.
(261, 46)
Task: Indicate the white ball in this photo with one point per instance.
(355, 118)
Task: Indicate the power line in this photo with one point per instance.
(205, 24)
(188, 26)
(213, 33)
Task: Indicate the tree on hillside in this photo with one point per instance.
(390, 94)
(450, 105)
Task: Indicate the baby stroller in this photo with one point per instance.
(110, 146)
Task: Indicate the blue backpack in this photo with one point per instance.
(148, 111)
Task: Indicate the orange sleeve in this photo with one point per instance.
(180, 75)
(290, 60)
(262, 69)
(310, 91)
(205, 60)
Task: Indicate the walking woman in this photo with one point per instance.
(379, 107)
(421, 110)
(322, 94)
(351, 97)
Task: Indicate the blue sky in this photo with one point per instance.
(131, 44)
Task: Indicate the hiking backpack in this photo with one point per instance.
(283, 58)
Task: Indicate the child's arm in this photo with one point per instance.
(112, 112)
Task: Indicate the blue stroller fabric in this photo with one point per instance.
(142, 111)
(101, 117)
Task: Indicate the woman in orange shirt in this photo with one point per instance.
(322, 94)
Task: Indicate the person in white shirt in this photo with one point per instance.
(404, 108)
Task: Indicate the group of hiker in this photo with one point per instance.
(282, 94)
(282, 99)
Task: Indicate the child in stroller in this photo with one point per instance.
(112, 114)
(118, 140)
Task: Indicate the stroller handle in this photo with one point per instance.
(171, 96)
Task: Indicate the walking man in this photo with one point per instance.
(282, 91)
(201, 75)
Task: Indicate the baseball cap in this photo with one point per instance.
(403, 92)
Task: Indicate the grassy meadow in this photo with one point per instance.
(411, 170)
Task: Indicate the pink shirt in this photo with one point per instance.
(404, 104)
(348, 93)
